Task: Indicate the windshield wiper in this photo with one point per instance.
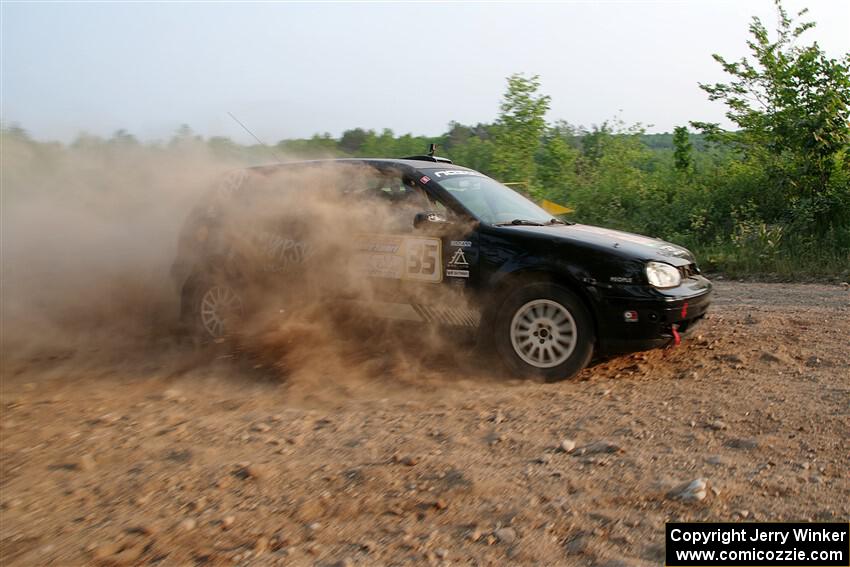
(524, 222)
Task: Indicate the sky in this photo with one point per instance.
(290, 70)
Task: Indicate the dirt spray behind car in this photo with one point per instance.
(305, 259)
(89, 238)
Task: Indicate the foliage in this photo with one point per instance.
(556, 162)
(791, 104)
(518, 130)
(682, 148)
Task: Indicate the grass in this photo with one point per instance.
(818, 265)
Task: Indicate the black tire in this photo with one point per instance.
(199, 309)
(553, 334)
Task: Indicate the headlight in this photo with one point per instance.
(662, 275)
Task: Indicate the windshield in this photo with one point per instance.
(492, 202)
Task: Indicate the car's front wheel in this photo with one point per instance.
(543, 330)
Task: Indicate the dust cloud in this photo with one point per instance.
(314, 308)
(88, 234)
(100, 242)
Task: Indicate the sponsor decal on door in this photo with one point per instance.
(400, 257)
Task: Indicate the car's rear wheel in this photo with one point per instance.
(217, 308)
(543, 330)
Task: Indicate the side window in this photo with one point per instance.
(412, 201)
(440, 208)
(396, 200)
(401, 201)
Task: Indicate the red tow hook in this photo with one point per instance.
(677, 340)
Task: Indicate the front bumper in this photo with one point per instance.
(660, 315)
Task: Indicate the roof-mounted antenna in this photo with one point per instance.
(259, 141)
(432, 148)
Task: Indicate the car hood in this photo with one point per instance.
(621, 243)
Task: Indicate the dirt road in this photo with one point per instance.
(165, 463)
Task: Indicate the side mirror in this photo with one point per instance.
(430, 220)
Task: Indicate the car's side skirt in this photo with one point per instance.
(421, 313)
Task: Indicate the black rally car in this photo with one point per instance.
(544, 293)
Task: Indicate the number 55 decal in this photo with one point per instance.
(423, 259)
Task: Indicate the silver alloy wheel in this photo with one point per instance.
(543, 333)
(221, 307)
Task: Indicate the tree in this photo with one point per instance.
(457, 135)
(475, 153)
(518, 129)
(184, 136)
(222, 146)
(593, 142)
(556, 166)
(352, 140)
(378, 145)
(682, 148)
(566, 131)
(86, 141)
(123, 138)
(791, 106)
(15, 131)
